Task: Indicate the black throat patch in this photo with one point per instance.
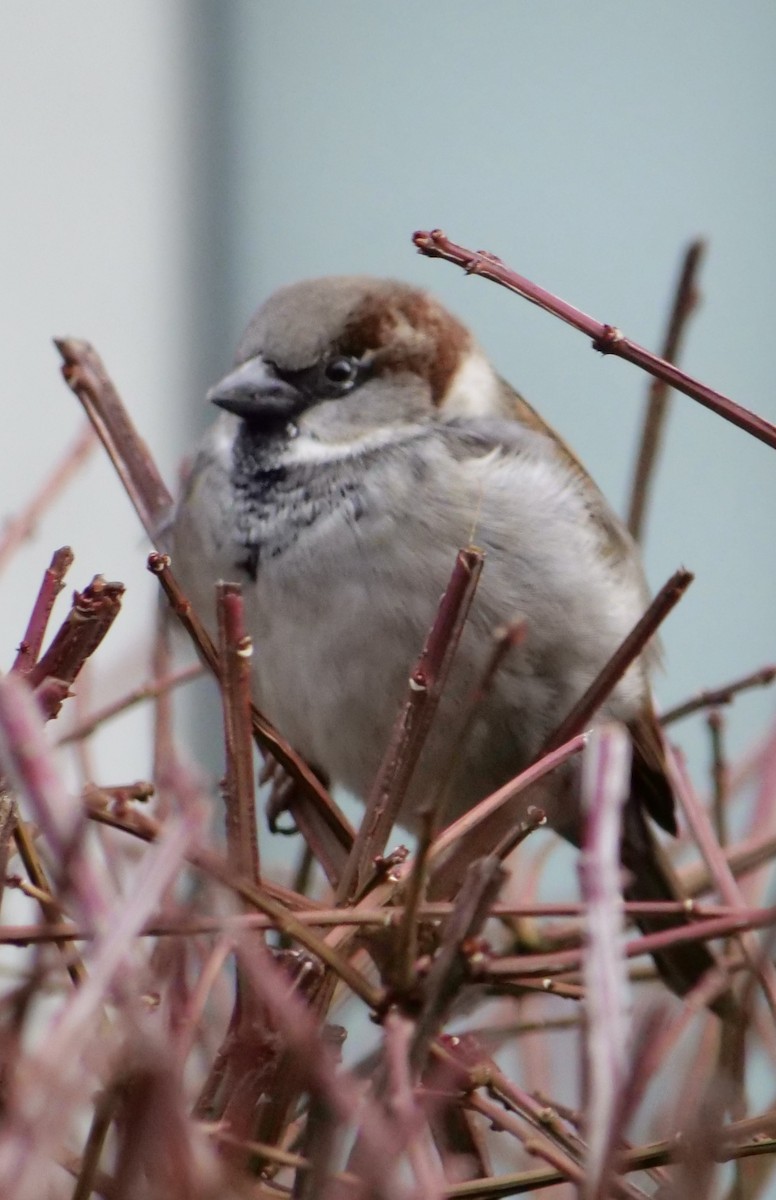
(278, 500)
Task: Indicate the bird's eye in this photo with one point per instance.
(341, 370)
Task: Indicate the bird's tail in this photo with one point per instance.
(652, 878)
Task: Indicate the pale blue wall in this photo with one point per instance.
(584, 143)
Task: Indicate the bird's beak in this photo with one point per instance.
(253, 391)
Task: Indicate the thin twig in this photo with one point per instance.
(571, 1171)
(719, 775)
(451, 966)
(658, 399)
(561, 961)
(714, 855)
(146, 691)
(236, 650)
(22, 526)
(491, 823)
(426, 684)
(268, 899)
(8, 818)
(607, 339)
(85, 374)
(102, 1118)
(641, 1158)
(588, 705)
(330, 833)
(408, 932)
(51, 586)
(715, 697)
(379, 918)
(93, 612)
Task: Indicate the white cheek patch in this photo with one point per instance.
(220, 439)
(307, 448)
(474, 390)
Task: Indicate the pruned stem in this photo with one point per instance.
(425, 689)
(52, 584)
(607, 339)
(658, 398)
(86, 375)
(714, 697)
(236, 648)
(324, 816)
(21, 527)
(588, 705)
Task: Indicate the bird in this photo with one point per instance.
(364, 436)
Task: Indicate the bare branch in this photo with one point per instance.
(588, 705)
(715, 697)
(658, 399)
(52, 585)
(22, 526)
(607, 339)
(425, 689)
(85, 374)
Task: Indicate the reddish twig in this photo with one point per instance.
(588, 705)
(505, 639)
(460, 1142)
(639, 1159)
(121, 795)
(381, 918)
(23, 759)
(563, 961)
(450, 966)
(719, 775)
(309, 1063)
(723, 877)
(330, 834)
(146, 691)
(549, 1118)
(102, 1118)
(607, 339)
(52, 584)
(261, 899)
(410, 924)
(8, 819)
(656, 409)
(542, 1147)
(94, 611)
(715, 697)
(90, 618)
(426, 684)
(22, 526)
(146, 829)
(163, 735)
(268, 899)
(236, 650)
(248, 1060)
(85, 374)
(486, 825)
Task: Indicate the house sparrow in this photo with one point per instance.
(365, 437)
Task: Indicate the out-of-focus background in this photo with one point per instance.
(165, 166)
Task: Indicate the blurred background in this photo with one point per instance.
(166, 165)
